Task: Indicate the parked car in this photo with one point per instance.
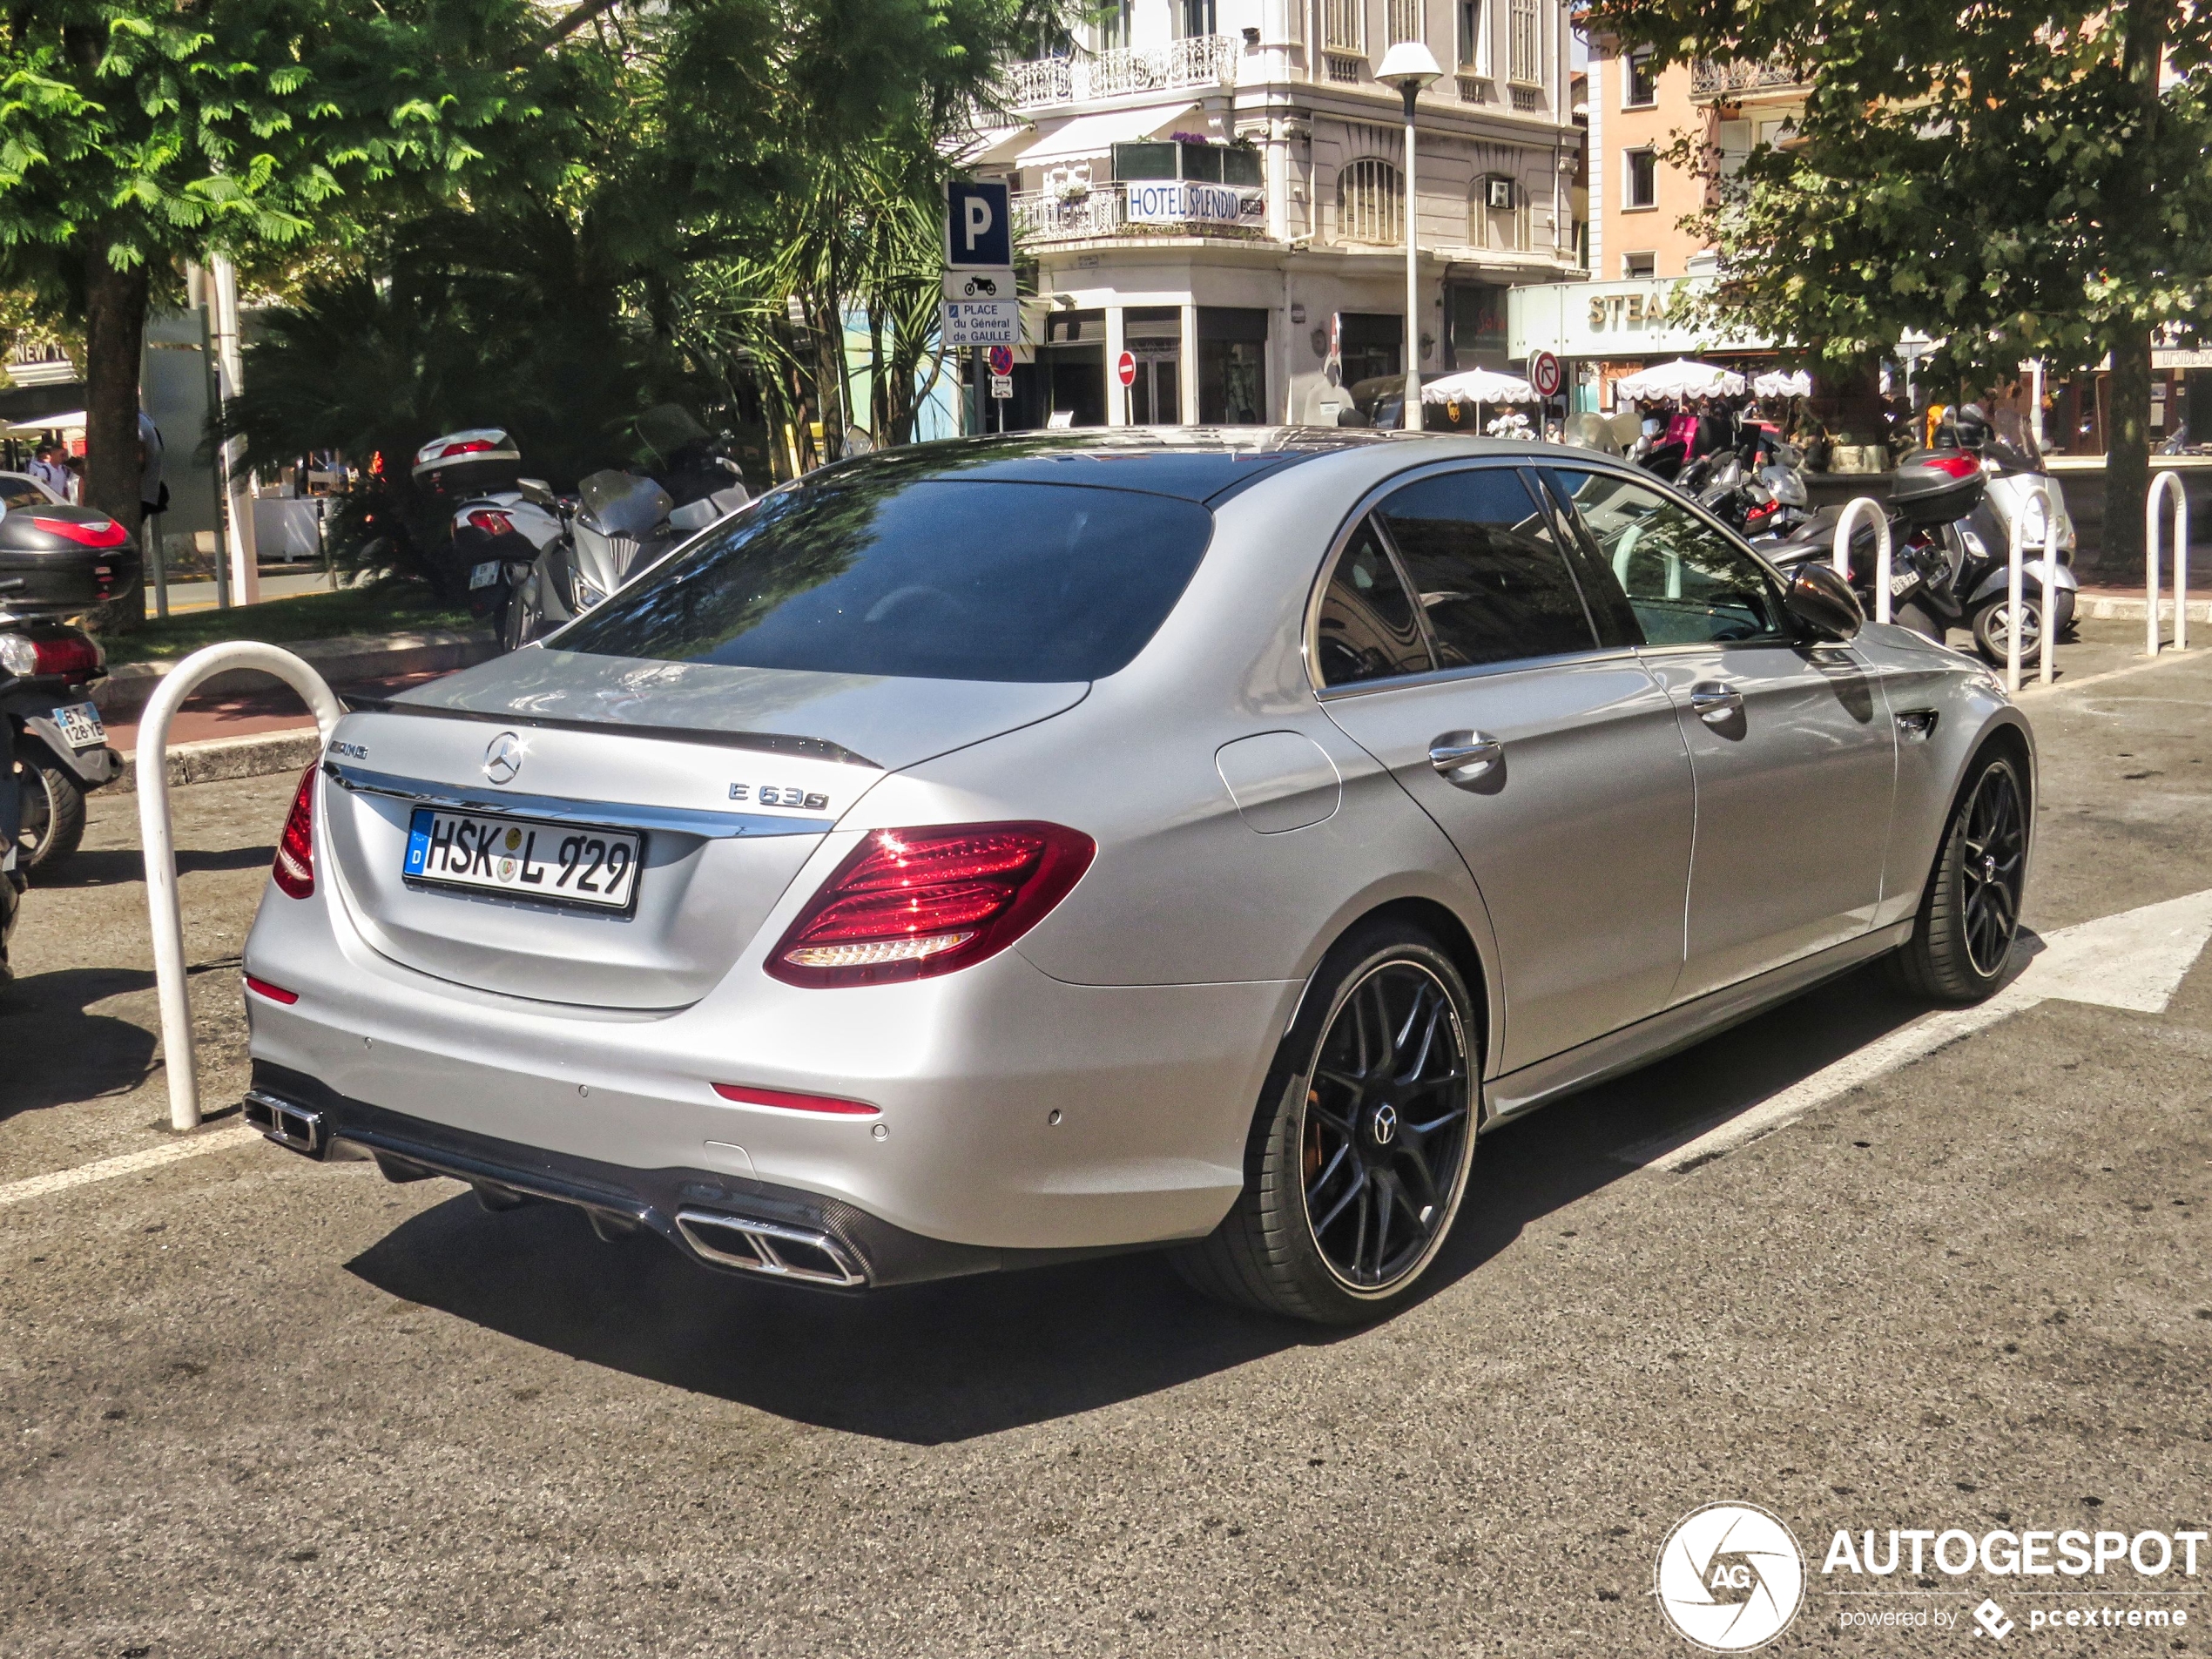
(978, 854)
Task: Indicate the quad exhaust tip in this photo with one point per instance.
(769, 1247)
(284, 1122)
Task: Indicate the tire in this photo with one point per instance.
(1988, 624)
(1922, 620)
(517, 623)
(1336, 1128)
(1962, 939)
(53, 814)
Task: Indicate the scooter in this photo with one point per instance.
(497, 528)
(56, 561)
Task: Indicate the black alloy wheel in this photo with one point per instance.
(1385, 1127)
(1962, 940)
(1995, 862)
(1361, 1147)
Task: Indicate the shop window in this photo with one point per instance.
(1370, 203)
(1640, 180)
(1475, 315)
(1640, 80)
(1233, 366)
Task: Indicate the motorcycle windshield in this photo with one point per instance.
(623, 504)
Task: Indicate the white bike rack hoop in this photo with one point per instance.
(1857, 508)
(162, 912)
(2016, 556)
(2162, 483)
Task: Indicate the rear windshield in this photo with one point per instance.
(873, 572)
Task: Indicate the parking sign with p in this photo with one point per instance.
(976, 229)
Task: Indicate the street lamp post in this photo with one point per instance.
(1410, 66)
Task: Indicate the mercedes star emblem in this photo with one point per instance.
(503, 757)
(1386, 1125)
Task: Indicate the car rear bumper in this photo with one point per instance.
(719, 1221)
(1013, 1112)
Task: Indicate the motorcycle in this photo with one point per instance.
(1761, 502)
(621, 523)
(497, 528)
(56, 561)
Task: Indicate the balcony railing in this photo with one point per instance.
(1103, 211)
(1200, 60)
(1710, 79)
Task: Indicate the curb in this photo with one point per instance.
(130, 686)
(2104, 609)
(216, 759)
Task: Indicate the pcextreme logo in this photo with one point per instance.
(1730, 1577)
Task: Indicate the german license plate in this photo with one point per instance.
(525, 857)
(81, 724)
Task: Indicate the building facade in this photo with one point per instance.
(1217, 188)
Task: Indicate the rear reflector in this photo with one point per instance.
(97, 532)
(69, 654)
(294, 870)
(911, 903)
(275, 992)
(746, 1095)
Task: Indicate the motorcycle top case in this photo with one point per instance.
(1936, 486)
(67, 559)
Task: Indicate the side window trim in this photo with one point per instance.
(1583, 557)
(1380, 527)
(1366, 518)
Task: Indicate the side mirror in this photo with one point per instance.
(535, 490)
(1821, 603)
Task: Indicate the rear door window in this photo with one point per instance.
(879, 572)
(1485, 560)
(1367, 629)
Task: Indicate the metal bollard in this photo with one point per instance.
(2166, 480)
(1857, 508)
(2046, 662)
(162, 912)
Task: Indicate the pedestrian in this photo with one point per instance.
(46, 467)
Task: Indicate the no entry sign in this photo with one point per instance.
(1125, 368)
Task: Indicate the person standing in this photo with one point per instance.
(46, 468)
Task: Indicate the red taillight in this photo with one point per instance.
(72, 654)
(490, 522)
(750, 1096)
(911, 903)
(294, 871)
(1954, 466)
(275, 992)
(98, 532)
(471, 447)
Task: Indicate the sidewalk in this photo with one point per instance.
(2108, 602)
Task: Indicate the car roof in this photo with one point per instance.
(1203, 464)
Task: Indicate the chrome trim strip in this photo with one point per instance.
(282, 1121)
(762, 1237)
(684, 820)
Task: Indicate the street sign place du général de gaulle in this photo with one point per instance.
(980, 307)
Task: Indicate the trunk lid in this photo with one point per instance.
(733, 776)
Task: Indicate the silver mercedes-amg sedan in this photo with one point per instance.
(981, 854)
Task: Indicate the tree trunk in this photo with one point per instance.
(115, 332)
(2128, 438)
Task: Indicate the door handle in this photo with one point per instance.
(1465, 757)
(1713, 703)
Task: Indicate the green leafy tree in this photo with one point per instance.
(136, 134)
(2017, 180)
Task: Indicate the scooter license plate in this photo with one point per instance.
(583, 864)
(81, 724)
(482, 575)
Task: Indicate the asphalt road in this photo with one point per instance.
(250, 1405)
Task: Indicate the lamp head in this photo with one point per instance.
(1409, 67)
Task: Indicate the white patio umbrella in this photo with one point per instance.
(70, 421)
(1478, 386)
(1681, 378)
(1779, 383)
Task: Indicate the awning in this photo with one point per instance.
(990, 146)
(68, 421)
(1095, 135)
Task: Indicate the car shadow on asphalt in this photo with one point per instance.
(931, 1364)
(110, 867)
(56, 1051)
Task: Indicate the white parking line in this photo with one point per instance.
(153, 1157)
(2135, 960)
(2142, 667)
